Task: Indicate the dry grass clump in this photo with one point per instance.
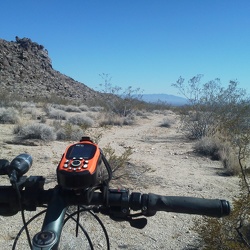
(66, 108)
(129, 120)
(72, 108)
(96, 109)
(56, 114)
(35, 131)
(81, 120)
(40, 131)
(116, 120)
(219, 150)
(110, 120)
(229, 160)
(84, 107)
(69, 132)
(9, 116)
(208, 146)
(167, 122)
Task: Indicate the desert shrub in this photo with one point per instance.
(67, 108)
(217, 149)
(122, 102)
(129, 120)
(231, 232)
(229, 160)
(9, 115)
(72, 108)
(57, 114)
(26, 104)
(212, 107)
(116, 120)
(35, 131)
(33, 111)
(93, 115)
(81, 120)
(158, 111)
(117, 162)
(167, 122)
(5, 98)
(69, 132)
(208, 146)
(84, 107)
(96, 109)
(142, 113)
(228, 233)
(112, 120)
(42, 118)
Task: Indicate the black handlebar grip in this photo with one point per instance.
(3, 166)
(9, 205)
(189, 205)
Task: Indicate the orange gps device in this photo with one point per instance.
(81, 166)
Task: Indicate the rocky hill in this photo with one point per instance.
(26, 71)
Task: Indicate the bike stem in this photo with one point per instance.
(49, 237)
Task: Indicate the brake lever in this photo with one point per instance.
(117, 214)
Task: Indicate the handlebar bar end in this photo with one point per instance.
(226, 209)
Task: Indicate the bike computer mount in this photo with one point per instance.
(82, 166)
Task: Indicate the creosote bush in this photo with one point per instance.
(117, 163)
(122, 102)
(215, 111)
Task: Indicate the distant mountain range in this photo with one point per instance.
(169, 99)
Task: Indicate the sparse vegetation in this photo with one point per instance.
(84, 107)
(9, 116)
(116, 120)
(123, 102)
(67, 108)
(219, 118)
(209, 146)
(69, 132)
(117, 162)
(166, 123)
(81, 120)
(56, 114)
(211, 106)
(35, 131)
(216, 149)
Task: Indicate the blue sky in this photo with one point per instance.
(147, 44)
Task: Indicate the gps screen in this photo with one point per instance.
(85, 151)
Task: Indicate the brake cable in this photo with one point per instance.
(14, 183)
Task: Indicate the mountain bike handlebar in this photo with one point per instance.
(148, 204)
(28, 193)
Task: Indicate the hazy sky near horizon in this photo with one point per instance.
(146, 44)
